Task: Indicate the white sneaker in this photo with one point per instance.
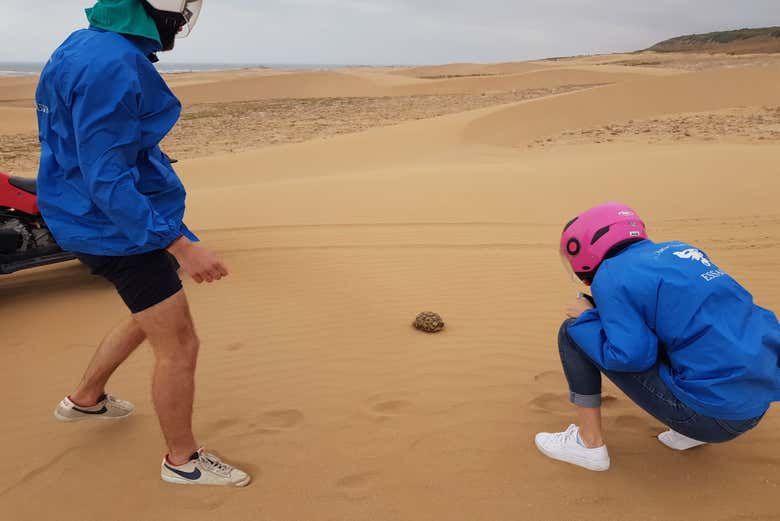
(675, 440)
(108, 408)
(564, 446)
(203, 469)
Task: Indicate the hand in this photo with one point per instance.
(199, 263)
(578, 307)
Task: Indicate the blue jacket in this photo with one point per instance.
(719, 352)
(104, 186)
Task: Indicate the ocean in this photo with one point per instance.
(34, 68)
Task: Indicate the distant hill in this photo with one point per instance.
(740, 41)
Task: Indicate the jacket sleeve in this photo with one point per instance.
(615, 334)
(106, 118)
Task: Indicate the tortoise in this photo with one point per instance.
(429, 322)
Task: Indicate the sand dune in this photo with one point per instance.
(471, 69)
(288, 85)
(356, 84)
(708, 90)
(310, 373)
(527, 80)
(240, 110)
(735, 125)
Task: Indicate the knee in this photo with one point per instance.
(192, 343)
(189, 349)
(563, 333)
(184, 355)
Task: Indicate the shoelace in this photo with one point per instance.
(562, 438)
(214, 464)
(115, 402)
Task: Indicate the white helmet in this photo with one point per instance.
(189, 9)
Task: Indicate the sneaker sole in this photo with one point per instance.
(180, 481)
(580, 462)
(677, 448)
(84, 417)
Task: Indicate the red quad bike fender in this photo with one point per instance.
(13, 197)
(20, 216)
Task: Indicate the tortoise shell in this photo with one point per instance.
(429, 322)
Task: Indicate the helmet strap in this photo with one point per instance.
(168, 25)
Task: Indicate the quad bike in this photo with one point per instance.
(25, 240)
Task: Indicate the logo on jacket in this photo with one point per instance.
(693, 254)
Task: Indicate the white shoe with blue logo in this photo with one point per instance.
(566, 446)
(203, 469)
(107, 408)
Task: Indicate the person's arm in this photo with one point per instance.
(107, 122)
(615, 334)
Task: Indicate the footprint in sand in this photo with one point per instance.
(278, 421)
(608, 400)
(359, 480)
(559, 403)
(384, 407)
(234, 346)
(207, 503)
(269, 422)
(550, 377)
(552, 403)
(356, 486)
(222, 425)
(392, 407)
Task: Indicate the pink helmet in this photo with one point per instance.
(588, 238)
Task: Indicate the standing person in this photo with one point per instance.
(110, 195)
(675, 333)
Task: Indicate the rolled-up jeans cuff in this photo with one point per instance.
(591, 401)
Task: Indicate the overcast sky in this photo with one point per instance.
(400, 31)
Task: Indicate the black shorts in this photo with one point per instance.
(142, 280)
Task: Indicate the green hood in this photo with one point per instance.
(124, 17)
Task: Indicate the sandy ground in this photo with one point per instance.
(735, 125)
(346, 202)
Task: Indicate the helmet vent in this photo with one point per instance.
(599, 234)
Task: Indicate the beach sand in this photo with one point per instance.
(345, 202)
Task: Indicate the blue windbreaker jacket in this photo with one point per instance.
(104, 186)
(720, 352)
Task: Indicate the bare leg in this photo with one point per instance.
(589, 419)
(113, 350)
(170, 330)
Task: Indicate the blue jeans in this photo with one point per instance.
(646, 389)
